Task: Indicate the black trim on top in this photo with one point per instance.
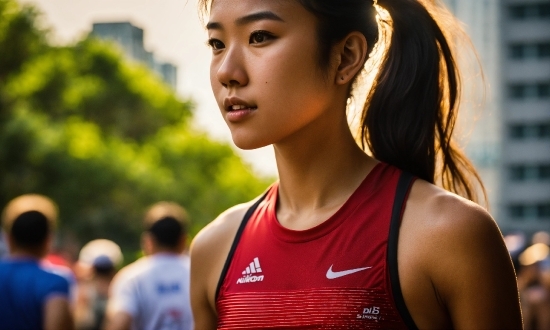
(246, 217)
(403, 187)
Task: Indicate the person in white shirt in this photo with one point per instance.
(153, 292)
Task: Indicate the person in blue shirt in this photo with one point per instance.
(31, 296)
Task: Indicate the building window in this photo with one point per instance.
(529, 131)
(540, 90)
(520, 51)
(544, 210)
(517, 91)
(516, 211)
(517, 172)
(540, 211)
(516, 51)
(529, 172)
(530, 11)
(516, 131)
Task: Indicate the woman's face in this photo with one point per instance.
(264, 70)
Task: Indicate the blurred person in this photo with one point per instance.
(31, 297)
(58, 261)
(534, 280)
(3, 247)
(153, 292)
(97, 264)
(541, 237)
(515, 244)
(348, 237)
(63, 269)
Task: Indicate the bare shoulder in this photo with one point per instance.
(221, 229)
(211, 245)
(209, 251)
(457, 248)
(446, 212)
(452, 227)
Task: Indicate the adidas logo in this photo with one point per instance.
(250, 271)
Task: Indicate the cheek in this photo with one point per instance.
(291, 68)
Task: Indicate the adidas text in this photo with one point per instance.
(250, 279)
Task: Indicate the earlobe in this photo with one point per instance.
(352, 57)
(146, 244)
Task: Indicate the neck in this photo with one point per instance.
(21, 254)
(318, 172)
(163, 250)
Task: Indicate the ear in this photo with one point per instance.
(9, 242)
(352, 51)
(182, 243)
(48, 244)
(147, 243)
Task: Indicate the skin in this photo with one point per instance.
(536, 301)
(121, 320)
(454, 268)
(57, 314)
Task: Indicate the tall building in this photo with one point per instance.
(479, 127)
(510, 141)
(130, 39)
(525, 84)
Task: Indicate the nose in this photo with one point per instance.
(231, 72)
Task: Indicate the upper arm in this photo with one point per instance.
(57, 314)
(118, 321)
(472, 270)
(204, 314)
(122, 302)
(208, 252)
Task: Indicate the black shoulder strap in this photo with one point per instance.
(246, 217)
(403, 187)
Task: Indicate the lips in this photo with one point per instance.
(235, 103)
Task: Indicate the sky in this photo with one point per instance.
(173, 31)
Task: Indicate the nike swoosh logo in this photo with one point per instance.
(332, 275)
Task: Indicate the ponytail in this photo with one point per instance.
(410, 112)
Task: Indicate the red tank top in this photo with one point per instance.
(341, 274)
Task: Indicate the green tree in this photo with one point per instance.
(103, 137)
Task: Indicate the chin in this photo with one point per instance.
(247, 142)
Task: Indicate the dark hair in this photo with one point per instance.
(167, 231)
(103, 265)
(30, 230)
(410, 112)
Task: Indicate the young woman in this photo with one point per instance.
(346, 240)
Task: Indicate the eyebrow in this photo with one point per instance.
(259, 16)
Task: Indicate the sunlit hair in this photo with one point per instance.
(410, 111)
(29, 220)
(26, 203)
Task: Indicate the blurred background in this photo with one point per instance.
(98, 117)
(106, 106)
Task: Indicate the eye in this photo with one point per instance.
(215, 44)
(258, 37)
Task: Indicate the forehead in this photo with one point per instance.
(228, 11)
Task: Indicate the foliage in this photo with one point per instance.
(103, 137)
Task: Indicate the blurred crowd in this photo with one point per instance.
(51, 291)
(531, 257)
(44, 288)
